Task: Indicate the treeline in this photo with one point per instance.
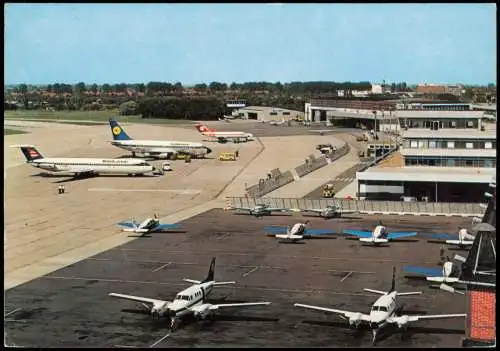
(164, 88)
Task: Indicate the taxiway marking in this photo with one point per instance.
(161, 267)
(181, 192)
(333, 270)
(250, 271)
(125, 346)
(346, 276)
(156, 343)
(11, 312)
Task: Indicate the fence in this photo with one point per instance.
(277, 180)
(369, 207)
(316, 163)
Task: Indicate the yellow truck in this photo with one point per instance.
(328, 190)
(227, 156)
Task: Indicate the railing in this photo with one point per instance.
(316, 163)
(277, 180)
(361, 206)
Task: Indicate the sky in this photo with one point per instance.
(201, 43)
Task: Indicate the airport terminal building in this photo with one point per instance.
(446, 156)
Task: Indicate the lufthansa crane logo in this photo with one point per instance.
(117, 130)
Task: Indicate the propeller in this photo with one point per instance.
(450, 289)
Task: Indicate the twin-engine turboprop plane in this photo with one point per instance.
(190, 301)
(297, 232)
(462, 240)
(378, 236)
(330, 211)
(149, 225)
(383, 311)
(260, 210)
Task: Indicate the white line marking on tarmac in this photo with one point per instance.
(346, 276)
(181, 192)
(125, 346)
(11, 312)
(333, 270)
(156, 343)
(161, 267)
(250, 271)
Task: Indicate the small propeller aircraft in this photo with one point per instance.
(449, 273)
(383, 311)
(297, 232)
(149, 225)
(260, 210)
(331, 211)
(462, 240)
(378, 236)
(190, 301)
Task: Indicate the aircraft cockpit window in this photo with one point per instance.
(383, 309)
(375, 308)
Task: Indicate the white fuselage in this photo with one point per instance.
(145, 227)
(190, 297)
(445, 275)
(379, 236)
(464, 238)
(294, 234)
(229, 135)
(162, 148)
(382, 309)
(94, 165)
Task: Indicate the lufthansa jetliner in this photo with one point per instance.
(383, 312)
(190, 301)
(154, 148)
(223, 137)
(84, 166)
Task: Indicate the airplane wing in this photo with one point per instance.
(347, 211)
(289, 237)
(395, 235)
(167, 226)
(243, 304)
(320, 231)
(126, 224)
(314, 210)
(272, 209)
(360, 233)
(241, 208)
(426, 271)
(153, 302)
(442, 236)
(346, 314)
(402, 320)
(275, 229)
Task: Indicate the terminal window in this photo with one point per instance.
(451, 144)
(469, 145)
(488, 145)
(432, 144)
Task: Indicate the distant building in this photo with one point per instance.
(263, 113)
(457, 89)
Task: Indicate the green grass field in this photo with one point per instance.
(12, 132)
(78, 117)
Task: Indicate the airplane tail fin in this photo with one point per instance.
(211, 272)
(117, 131)
(30, 152)
(393, 285)
(200, 127)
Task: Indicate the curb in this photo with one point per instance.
(422, 214)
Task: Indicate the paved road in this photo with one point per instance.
(339, 182)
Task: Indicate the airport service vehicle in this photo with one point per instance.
(165, 166)
(328, 190)
(326, 148)
(463, 239)
(296, 233)
(154, 148)
(260, 210)
(190, 301)
(149, 225)
(378, 236)
(331, 211)
(84, 166)
(383, 311)
(227, 156)
(223, 137)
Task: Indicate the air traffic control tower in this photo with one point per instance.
(479, 274)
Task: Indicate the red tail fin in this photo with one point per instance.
(203, 128)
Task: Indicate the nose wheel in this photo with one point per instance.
(374, 340)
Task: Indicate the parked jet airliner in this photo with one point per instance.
(84, 166)
(190, 301)
(223, 137)
(154, 148)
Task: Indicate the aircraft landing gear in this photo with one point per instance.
(174, 324)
